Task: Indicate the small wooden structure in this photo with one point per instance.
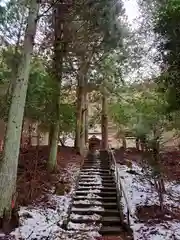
(94, 143)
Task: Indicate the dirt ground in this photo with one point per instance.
(170, 160)
(33, 178)
(153, 214)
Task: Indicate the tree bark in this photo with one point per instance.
(137, 144)
(53, 148)
(59, 53)
(124, 144)
(50, 135)
(104, 122)
(22, 135)
(79, 136)
(79, 118)
(15, 62)
(9, 163)
(30, 134)
(157, 168)
(83, 122)
(38, 137)
(1, 145)
(86, 118)
(80, 91)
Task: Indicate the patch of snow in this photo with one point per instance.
(173, 188)
(85, 175)
(94, 187)
(44, 220)
(86, 217)
(93, 195)
(97, 180)
(69, 142)
(76, 235)
(94, 208)
(94, 191)
(139, 192)
(38, 222)
(162, 231)
(84, 226)
(87, 201)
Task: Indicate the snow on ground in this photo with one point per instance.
(44, 220)
(86, 217)
(140, 192)
(39, 221)
(88, 201)
(84, 226)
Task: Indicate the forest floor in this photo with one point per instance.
(45, 198)
(148, 222)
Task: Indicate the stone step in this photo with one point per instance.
(112, 188)
(111, 230)
(98, 218)
(96, 183)
(90, 178)
(106, 205)
(94, 167)
(93, 174)
(95, 210)
(92, 164)
(88, 227)
(94, 180)
(96, 161)
(88, 170)
(98, 198)
(96, 164)
(99, 193)
(92, 161)
(107, 175)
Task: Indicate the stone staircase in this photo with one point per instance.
(94, 206)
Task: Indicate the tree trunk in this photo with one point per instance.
(137, 144)
(15, 62)
(124, 144)
(38, 137)
(79, 137)
(9, 163)
(30, 135)
(80, 91)
(50, 135)
(59, 52)
(82, 137)
(1, 145)
(79, 118)
(86, 119)
(79, 94)
(53, 148)
(157, 169)
(104, 122)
